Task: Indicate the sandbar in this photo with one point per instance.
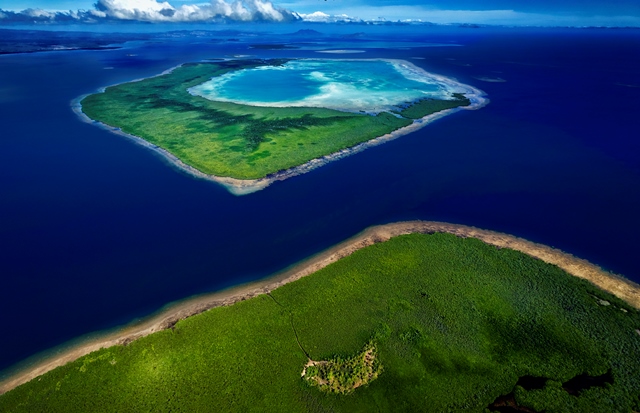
(172, 313)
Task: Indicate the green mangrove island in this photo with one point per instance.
(245, 123)
(426, 321)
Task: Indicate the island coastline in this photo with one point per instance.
(247, 186)
(172, 313)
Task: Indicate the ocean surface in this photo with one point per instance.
(96, 231)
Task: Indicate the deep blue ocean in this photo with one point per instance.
(96, 231)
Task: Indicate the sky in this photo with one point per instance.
(502, 12)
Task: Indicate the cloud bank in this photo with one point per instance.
(423, 15)
(162, 11)
(417, 13)
(158, 12)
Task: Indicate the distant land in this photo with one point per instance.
(31, 41)
(39, 38)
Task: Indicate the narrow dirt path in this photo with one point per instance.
(293, 327)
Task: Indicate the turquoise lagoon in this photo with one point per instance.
(348, 85)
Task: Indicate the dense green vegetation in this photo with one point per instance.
(227, 139)
(425, 107)
(456, 324)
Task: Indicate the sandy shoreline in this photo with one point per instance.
(247, 186)
(167, 317)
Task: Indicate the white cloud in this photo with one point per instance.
(320, 17)
(156, 11)
(38, 13)
(98, 13)
(496, 17)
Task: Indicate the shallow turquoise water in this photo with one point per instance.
(352, 85)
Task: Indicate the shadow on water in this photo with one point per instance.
(578, 384)
(575, 386)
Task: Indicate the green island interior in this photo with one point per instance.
(422, 322)
(234, 140)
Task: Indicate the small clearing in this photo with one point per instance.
(343, 376)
